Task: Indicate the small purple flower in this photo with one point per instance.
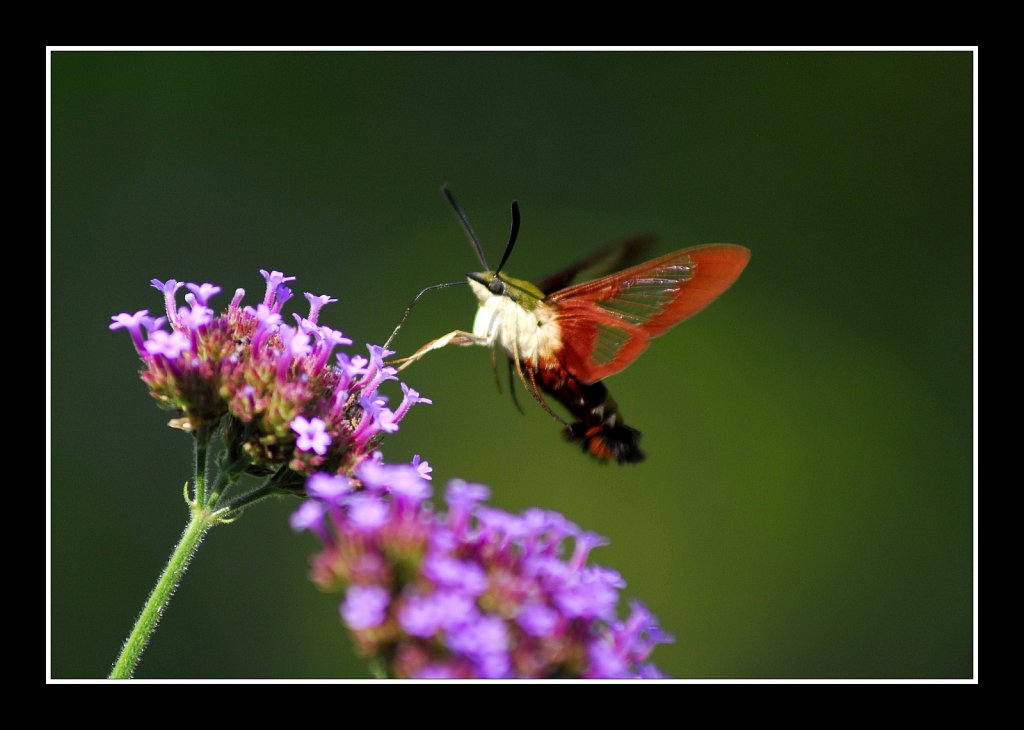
(374, 475)
(406, 484)
(369, 423)
(485, 642)
(132, 323)
(168, 288)
(266, 321)
(275, 280)
(495, 525)
(304, 324)
(494, 665)
(328, 488)
(377, 372)
(152, 324)
(641, 632)
(296, 342)
(328, 340)
(365, 607)
(367, 512)
(420, 616)
(537, 619)
(463, 498)
(192, 318)
(605, 661)
(466, 494)
(387, 422)
(463, 576)
(204, 292)
(333, 338)
(402, 481)
(409, 397)
(454, 609)
(593, 594)
(585, 542)
(316, 303)
(168, 344)
(313, 434)
(265, 316)
(236, 300)
(283, 295)
(310, 516)
(352, 368)
(422, 467)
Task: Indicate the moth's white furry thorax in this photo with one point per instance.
(532, 335)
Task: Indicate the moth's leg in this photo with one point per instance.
(540, 399)
(512, 387)
(534, 391)
(494, 367)
(460, 338)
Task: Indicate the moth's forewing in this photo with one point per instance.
(606, 323)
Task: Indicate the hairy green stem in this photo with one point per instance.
(221, 484)
(201, 440)
(236, 505)
(202, 520)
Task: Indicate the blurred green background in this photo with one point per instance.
(806, 506)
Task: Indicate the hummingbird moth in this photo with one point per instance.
(563, 339)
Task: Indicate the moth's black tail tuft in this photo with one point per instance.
(607, 442)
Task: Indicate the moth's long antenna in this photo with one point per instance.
(416, 299)
(511, 237)
(465, 224)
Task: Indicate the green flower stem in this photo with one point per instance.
(201, 440)
(202, 520)
(284, 481)
(236, 505)
(225, 479)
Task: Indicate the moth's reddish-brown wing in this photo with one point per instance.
(607, 323)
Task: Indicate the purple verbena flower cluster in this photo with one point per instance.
(472, 593)
(285, 401)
